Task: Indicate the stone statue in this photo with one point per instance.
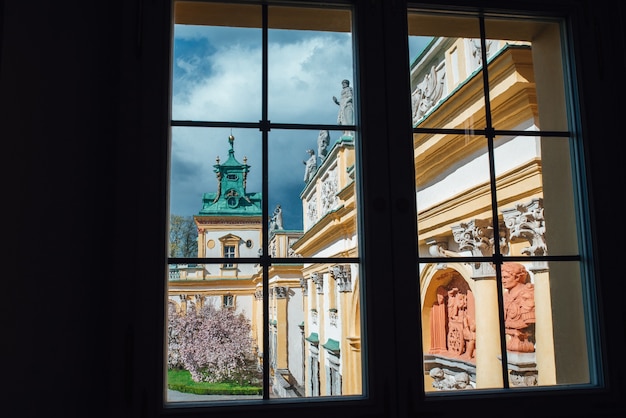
(346, 106)
(519, 308)
(323, 140)
(310, 166)
(277, 219)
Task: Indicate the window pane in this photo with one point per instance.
(453, 197)
(530, 179)
(312, 179)
(445, 63)
(215, 184)
(221, 172)
(331, 327)
(214, 335)
(526, 83)
(461, 330)
(545, 324)
(216, 64)
(309, 54)
(536, 195)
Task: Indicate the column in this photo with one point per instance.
(477, 236)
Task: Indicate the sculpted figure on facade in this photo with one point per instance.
(519, 308)
(438, 322)
(310, 166)
(428, 92)
(346, 105)
(277, 219)
(443, 381)
(323, 140)
(456, 313)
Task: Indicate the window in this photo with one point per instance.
(228, 301)
(448, 159)
(495, 185)
(229, 252)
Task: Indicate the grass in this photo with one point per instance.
(181, 381)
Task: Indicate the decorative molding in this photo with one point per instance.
(318, 279)
(280, 292)
(329, 192)
(304, 284)
(526, 222)
(341, 273)
(477, 237)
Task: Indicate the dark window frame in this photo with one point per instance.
(382, 395)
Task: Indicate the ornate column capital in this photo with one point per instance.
(304, 284)
(526, 222)
(280, 292)
(341, 273)
(477, 236)
(318, 279)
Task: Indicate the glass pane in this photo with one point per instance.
(446, 82)
(536, 195)
(545, 324)
(215, 185)
(461, 331)
(453, 197)
(214, 341)
(311, 178)
(216, 63)
(331, 330)
(309, 54)
(526, 83)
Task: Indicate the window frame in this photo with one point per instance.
(386, 393)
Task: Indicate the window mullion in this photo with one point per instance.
(264, 205)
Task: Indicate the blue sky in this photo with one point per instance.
(217, 77)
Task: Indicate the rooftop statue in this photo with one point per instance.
(346, 106)
(310, 166)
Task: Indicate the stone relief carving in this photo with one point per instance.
(329, 192)
(428, 92)
(443, 381)
(311, 212)
(475, 50)
(452, 321)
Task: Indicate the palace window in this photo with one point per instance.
(228, 301)
(403, 188)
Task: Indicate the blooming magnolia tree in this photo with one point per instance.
(215, 345)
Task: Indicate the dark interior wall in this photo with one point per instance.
(71, 113)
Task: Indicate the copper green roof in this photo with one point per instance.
(313, 338)
(231, 198)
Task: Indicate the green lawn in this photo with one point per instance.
(181, 381)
